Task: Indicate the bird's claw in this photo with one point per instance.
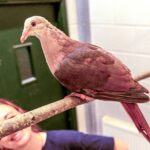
(81, 96)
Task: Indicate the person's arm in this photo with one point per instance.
(120, 145)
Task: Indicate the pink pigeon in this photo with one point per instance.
(88, 70)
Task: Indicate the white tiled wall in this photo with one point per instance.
(123, 12)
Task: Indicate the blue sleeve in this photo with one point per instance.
(73, 140)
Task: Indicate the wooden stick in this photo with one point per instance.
(37, 115)
(142, 76)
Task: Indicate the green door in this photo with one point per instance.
(24, 75)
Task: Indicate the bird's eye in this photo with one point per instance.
(33, 24)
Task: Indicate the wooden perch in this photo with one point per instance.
(142, 76)
(37, 115)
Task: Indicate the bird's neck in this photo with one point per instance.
(53, 45)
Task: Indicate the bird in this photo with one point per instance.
(89, 71)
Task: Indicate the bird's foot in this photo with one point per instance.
(81, 96)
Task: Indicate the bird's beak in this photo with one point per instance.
(25, 35)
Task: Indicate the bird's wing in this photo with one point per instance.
(91, 70)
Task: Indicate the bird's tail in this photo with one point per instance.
(136, 115)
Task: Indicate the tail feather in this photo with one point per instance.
(136, 115)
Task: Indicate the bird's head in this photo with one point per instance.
(33, 26)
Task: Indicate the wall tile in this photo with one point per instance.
(101, 11)
(113, 37)
(132, 12)
(122, 38)
(122, 12)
